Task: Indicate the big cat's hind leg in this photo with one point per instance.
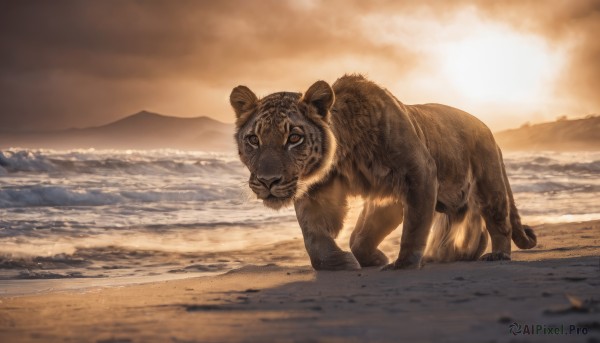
(374, 224)
(495, 211)
(498, 226)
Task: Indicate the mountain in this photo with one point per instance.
(147, 130)
(561, 135)
(143, 130)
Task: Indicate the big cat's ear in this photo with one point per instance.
(320, 95)
(242, 100)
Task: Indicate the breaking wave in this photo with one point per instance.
(553, 187)
(37, 178)
(548, 165)
(137, 162)
(35, 196)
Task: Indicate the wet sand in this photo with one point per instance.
(555, 286)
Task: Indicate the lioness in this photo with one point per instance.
(432, 165)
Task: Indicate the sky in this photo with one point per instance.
(84, 63)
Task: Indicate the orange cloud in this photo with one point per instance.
(71, 63)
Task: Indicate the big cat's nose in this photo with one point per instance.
(268, 180)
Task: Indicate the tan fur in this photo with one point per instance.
(427, 165)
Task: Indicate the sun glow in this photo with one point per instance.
(487, 68)
(499, 65)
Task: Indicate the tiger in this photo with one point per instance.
(433, 168)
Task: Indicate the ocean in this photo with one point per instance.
(135, 215)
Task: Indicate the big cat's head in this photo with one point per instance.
(285, 140)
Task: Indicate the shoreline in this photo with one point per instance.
(551, 285)
(285, 253)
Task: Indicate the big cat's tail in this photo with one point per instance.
(524, 238)
(522, 235)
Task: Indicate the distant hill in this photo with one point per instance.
(561, 135)
(143, 130)
(147, 130)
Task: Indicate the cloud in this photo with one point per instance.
(162, 38)
(73, 63)
(569, 25)
(107, 45)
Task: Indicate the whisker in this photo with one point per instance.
(245, 193)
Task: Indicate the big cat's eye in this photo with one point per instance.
(294, 140)
(253, 140)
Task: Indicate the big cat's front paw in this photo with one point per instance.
(337, 260)
(374, 259)
(396, 266)
(495, 256)
(410, 262)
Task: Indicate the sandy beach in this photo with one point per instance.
(549, 293)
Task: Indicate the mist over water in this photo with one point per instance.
(88, 213)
